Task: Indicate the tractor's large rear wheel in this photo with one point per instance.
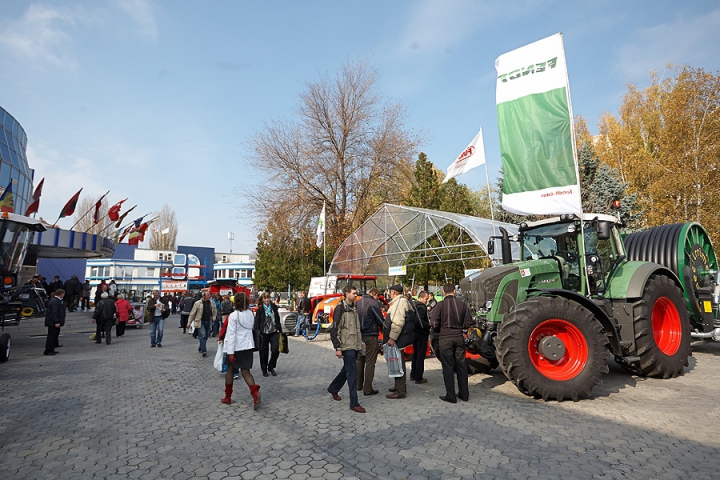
(662, 330)
(552, 348)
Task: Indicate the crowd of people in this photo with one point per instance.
(354, 332)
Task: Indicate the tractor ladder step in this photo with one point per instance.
(631, 359)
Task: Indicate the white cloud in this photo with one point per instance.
(694, 41)
(141, 12)
(40, 35)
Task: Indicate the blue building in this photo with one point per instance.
(13, 161)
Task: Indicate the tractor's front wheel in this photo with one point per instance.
(552, 348)
(662, 330)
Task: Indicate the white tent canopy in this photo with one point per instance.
(395, 232)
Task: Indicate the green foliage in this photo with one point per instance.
(285, 257)
(428, 192)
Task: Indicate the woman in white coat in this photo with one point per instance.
(239, 345)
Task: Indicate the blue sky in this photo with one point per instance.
(157, 100)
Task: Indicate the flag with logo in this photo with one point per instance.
(35, 204)
(540, 173)
(321, 227)
(473, 156)
(7, 200)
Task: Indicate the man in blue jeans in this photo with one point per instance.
(156, 308)
(303, 309)
(202, 315)
(346, 338)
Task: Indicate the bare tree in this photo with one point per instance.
(163, 234)
(348, 149)
(84, 212)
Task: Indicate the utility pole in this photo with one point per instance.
(231, 237)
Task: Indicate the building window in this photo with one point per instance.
(150, 272)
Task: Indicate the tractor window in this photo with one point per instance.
(603, 253)
(558, 241)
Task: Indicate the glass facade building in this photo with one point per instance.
(13, 161)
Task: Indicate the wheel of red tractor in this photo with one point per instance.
(552, 348)
(662, 331)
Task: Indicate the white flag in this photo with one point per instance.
(473, 156)
(321, 227)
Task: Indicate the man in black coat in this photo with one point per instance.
(371, 321)
(448, 319)
(422, 333)
(54, 319)
(55, 285)
(72, 289)
(104, 317)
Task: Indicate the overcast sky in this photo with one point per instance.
(156, 100)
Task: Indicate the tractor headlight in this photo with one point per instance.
(488, 305)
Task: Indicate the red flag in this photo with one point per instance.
(122, 217)
(69, 207)
(35, 205)
(96, 215)
(114, 212)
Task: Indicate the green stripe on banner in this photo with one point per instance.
(536, 142)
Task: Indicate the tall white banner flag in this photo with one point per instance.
(473, 156)
(537, 141)
(321, 227)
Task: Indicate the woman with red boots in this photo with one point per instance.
(239, 345)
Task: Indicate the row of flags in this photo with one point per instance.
(135, 231)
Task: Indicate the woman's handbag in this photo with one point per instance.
(283, 343)
(257, 339)
(394, 360)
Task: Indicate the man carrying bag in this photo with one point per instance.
(399, 330)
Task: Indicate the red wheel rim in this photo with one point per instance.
(666, 326)
(576, 350)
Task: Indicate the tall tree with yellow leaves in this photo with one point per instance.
(666, 145)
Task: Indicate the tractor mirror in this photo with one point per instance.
(603, 230)
(491, 247)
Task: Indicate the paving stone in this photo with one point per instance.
(167, 421)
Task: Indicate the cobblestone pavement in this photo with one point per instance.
(129, 411)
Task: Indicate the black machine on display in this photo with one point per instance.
(16, 301)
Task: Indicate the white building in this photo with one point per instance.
(236, 266)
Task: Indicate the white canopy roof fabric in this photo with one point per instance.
(394, 232)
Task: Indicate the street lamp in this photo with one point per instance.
(231, 237)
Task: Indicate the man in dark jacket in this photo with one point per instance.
(267, 320)
(72, 289)
(54, 319)
(420, 341)
(55, 285)
(371, 320)
(448, 319)
(347, 340)
(104, 317)
(186, 306)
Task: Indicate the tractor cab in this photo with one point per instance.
(593, 248)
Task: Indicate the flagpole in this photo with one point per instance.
(83, 215)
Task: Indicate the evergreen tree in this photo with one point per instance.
(601, 185)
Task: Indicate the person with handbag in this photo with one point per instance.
(267, 320)
(239, 344)
(448, 319)
(399, 330)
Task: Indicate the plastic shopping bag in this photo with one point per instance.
(191, 328)
(218, 362)
(393, 357)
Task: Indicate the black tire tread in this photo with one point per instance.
(653, 363)
(511, 346)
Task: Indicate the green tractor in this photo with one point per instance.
(581, 292)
